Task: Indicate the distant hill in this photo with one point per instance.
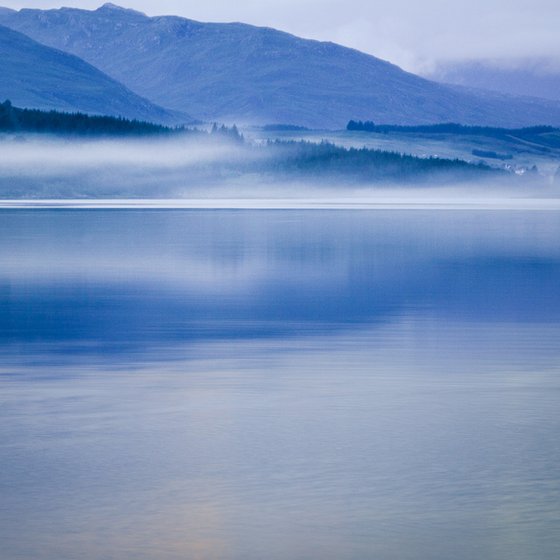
(251, 75)
(531, 77)
(33, 75)
(528, 133)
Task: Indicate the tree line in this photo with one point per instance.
(449, 128)
(283, 158)
(325, 159)
(14, 119)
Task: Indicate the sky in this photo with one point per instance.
(414, 34)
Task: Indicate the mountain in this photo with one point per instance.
(530, 77)
(41, 77)
(237, 72)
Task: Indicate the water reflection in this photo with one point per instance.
(247, 385)
(148, 278)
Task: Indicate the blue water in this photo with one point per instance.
(279, 384)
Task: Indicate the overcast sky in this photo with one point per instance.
(411, 33)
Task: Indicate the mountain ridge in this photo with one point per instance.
(41, 77)
(235, 72)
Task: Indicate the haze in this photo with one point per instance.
(206, 172)
(414, 35)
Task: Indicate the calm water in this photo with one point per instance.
(280, 385)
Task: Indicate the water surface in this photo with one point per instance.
(223, 384)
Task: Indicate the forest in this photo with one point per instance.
(450, 128)
(275, 159)
(14, 119)
(320, 160)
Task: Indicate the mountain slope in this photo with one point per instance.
(41, 77)
(259, 75)
(533, 77)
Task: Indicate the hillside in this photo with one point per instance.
(237, 72)
(41, 77)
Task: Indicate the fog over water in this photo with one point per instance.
(225, 348)
(201, 167)
(205, 357)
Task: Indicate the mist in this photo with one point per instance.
(201, 171)
(61, 168)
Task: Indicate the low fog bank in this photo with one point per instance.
(186, 167)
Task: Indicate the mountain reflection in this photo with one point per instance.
(147, 278)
